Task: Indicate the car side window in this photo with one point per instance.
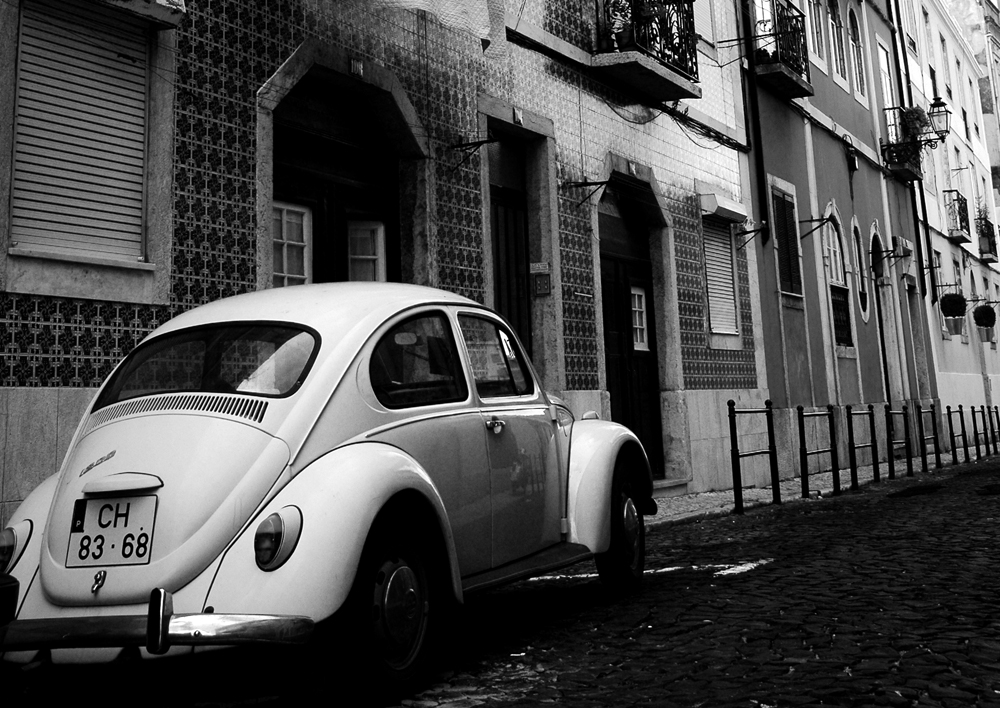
(416, 363)
(497, 362)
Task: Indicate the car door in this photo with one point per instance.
(416, 375)
(525, 486)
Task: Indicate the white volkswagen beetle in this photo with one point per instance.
(268, 462)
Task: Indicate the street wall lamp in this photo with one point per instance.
(940, 118)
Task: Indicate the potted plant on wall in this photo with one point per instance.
(985, 317)
(914, 122)
(953, 308)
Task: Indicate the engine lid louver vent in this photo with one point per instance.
(252, 409)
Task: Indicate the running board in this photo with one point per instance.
(553, 558)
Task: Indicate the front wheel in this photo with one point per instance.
(621, 566)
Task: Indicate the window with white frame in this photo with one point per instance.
(291, 232)
(910, 24)
(366, 250)
(838, 55)
(704, 20)
(80, 125)
(857, 55)
(720, 276)
(640, 330)
(817, 24)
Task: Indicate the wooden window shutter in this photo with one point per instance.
(719, 276)
(80, 130)
(786, 241)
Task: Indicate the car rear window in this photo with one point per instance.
(256, 359)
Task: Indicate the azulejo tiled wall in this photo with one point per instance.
(226, 50)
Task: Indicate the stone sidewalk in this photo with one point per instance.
(701, 505)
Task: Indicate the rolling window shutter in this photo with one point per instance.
(80, 130)
(719, 276)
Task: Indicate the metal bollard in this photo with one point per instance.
(937, 446)
(965, 438)
(922, 441)
(874, 443)
(889, 443)
(834, 461)
(906, 441)
(772, 453)
(803, 453)
(737, 472)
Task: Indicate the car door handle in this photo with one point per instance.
(495, 424)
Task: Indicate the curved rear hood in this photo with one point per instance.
(214, 473)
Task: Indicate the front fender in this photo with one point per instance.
(339, 496)
(595, 448)
(34, 510)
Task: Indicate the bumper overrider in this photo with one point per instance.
(158, 630)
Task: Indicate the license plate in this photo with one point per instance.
(116, 531)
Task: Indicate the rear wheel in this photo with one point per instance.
(393, 603)
(621, 566)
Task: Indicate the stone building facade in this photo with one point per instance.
(567, 175)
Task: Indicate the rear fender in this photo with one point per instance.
(31, 515)
(595, 449)
(339, 496)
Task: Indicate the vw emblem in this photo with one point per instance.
(99, 578)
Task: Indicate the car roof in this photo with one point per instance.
(328, 308)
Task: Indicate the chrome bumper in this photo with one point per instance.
(158, 630)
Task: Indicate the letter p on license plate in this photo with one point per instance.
(111, 531)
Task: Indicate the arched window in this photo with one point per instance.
(834, 252)
(857, 54)
(840, 304)
(862, 273)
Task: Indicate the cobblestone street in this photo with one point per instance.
(886, 597)
(882, 597)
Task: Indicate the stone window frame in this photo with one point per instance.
(538, 132)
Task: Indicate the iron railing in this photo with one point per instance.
(781, 37)
(957, 208)
(663, 29)
(987, 240)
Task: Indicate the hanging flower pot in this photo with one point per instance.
(984, 316)
(953, 305)
(955, 325)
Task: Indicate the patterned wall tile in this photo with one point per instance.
(226, 50)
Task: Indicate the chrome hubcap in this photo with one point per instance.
(400, 607)
(630, 524)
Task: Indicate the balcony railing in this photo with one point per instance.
(781, 43)
(987, 240)
(957, 208)
(661, 29)
(901, 150)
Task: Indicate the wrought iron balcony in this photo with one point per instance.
(987, 240)
(903, 144)
(650, 46)
(957, 208)
(781, 57)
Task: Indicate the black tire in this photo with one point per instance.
(393, 606)
(621, 566)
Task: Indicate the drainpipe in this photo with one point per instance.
(904, 86)
(752, 105)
